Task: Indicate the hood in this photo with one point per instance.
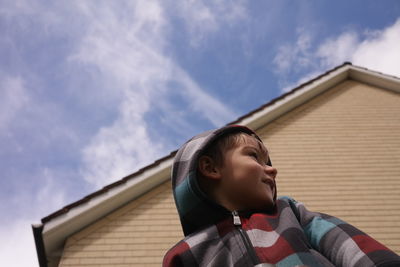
(195, 209)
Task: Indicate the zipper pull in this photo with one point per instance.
(236, 218)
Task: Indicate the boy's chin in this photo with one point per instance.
(268, 206)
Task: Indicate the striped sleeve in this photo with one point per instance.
(342, 243)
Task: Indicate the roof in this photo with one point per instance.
(51, 234)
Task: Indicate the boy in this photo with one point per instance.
(225, 193)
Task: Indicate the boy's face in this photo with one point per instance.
(246, 181)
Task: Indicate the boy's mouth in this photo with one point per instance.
(270, 183)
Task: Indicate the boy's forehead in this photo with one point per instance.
(252, 140)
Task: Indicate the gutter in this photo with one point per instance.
(41, 252)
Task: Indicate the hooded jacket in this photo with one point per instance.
(288, 235)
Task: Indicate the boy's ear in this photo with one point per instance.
(208, 168)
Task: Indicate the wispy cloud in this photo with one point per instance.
(79, 96)
(131, 56)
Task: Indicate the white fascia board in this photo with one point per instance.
(295, 99)
(375, 79)
(58, 229)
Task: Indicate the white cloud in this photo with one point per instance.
(284, 58)
(378, 50)
(381, 52)
(335, 51)
(22, 112)
(17, 244)
(117, 150)
(16, 8)
(297, 55)
(373, 49)
(17, 247)
(13, 98)
(211, 108)
(202, 19)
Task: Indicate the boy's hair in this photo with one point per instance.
(217, 149)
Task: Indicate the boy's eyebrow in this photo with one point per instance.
(259, 148)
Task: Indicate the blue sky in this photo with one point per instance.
(91, 91)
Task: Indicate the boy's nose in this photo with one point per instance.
(271, 171)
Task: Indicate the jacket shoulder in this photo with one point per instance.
(179, 255)
(173, 255)
(287, 199)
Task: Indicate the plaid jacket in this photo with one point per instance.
(289, 235)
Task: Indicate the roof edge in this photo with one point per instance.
(105, 189)
(294, 98)
(375, 78)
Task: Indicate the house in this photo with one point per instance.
(335, 141)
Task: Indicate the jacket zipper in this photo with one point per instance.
(246, 240)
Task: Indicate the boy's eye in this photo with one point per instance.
(254, 155)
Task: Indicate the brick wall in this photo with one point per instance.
(136, 235)
(339, 154)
